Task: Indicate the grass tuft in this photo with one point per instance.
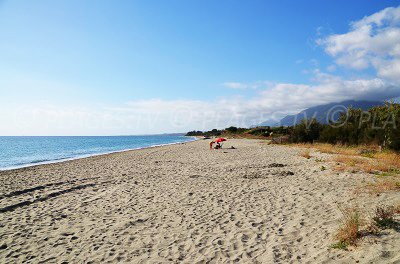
(306, 154)
(340, 245)
(353, 227)
(350, 229)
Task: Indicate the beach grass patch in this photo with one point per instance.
(366, 158)
(382, 185)
(350, 229)
(340, 245)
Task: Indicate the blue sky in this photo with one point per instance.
(108, 62)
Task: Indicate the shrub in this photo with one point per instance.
(194, 133)
(384, 217)
(260, 131)
(306, 131)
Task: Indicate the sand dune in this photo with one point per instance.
(184, 203)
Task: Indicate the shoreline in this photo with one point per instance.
(24, 166)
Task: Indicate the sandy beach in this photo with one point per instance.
(183, 203)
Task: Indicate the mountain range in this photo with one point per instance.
(323, 113)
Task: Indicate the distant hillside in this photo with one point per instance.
(323, 113)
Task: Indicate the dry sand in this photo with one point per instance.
(185, 203)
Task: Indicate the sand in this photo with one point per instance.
(186, 204)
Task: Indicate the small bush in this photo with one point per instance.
(260, 131)
(384, 217)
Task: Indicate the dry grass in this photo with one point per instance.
(351, 161)
(329, 148)
(384, 185)
(354, 227)
(385, 164)
(358, 163)
(388, 161)
(350, 229)
(306, 154)
(362, 158)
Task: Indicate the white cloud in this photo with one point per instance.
(253, 85)
(331, 68)
(273, 103)
(157, 115)
(390, 15)
(373, 41)
(234, 85)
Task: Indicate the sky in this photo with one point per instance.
(147, 67)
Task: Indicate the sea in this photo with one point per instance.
(24, 151)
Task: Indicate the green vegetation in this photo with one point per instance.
(377, 126)
(261, 132)
(340, 245)
(211, 133)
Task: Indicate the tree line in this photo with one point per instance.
(379, 125)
